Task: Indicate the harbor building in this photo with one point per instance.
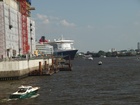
(17, 28)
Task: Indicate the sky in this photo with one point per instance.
(94, 25)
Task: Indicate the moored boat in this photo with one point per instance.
(100, 63)
(24, 92)
(88, 57)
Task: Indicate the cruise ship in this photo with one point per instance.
(62, 47)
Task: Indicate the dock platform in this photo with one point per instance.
(57, 65)
(15, 70)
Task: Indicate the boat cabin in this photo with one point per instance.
(24, 89)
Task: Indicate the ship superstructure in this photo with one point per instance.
(17, 29)
(61, 47)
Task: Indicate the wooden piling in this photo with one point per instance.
(45, 65)
(40, 68)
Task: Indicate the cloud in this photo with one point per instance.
(43, 18)
(46, 21)
(66, 23)
(90, 27)
(54, 20)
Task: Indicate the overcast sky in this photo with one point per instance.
(93, 24)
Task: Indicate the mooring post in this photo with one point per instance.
(56, 64)
(52, 67)
(40, 68)
(48, 70)
(45, 65)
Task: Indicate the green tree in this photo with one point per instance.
(101, 53)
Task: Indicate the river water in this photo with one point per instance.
(115, 82)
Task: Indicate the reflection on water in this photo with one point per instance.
(7, 99)
(34, 96)
(115, 82)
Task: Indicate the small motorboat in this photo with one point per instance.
(90, 58)
(100, 63)
(24, 92)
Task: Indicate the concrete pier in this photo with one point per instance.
(18, 69)
(10, 70)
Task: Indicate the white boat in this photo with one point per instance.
(100, 63)
(24, 92)
(88, 57)
(64, 48)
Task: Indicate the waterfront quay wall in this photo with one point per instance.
(19, 69)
